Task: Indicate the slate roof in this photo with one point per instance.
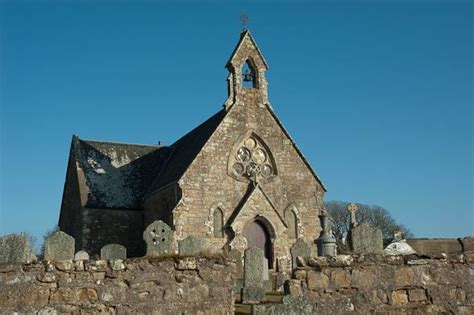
(119, 175)
(185, 150)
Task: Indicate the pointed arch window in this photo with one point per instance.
(249, 75)
(218, 223)
(290, 219)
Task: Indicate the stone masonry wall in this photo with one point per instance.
(207, 183)
(344, 284)
(106, 226)
(166, 286)
(380, 284)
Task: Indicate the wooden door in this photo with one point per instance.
(258, 236)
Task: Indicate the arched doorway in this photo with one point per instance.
(259, 235)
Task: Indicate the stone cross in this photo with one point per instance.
(352, 208)
(159, 239)
(243, 18)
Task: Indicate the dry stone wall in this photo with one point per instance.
(379, 284)
(359, 284)
(158, 286)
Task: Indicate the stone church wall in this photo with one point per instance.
(107, 226)
(207, 184)
(160, 204)
(167, 286)
(70, 220)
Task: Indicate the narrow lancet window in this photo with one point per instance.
(249, 78)
(290, 218)
(218, 223)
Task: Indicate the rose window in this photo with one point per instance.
(252, 161)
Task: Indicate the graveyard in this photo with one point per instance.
(231, 217)
(190, 279)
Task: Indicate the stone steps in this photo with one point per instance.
(270, 298)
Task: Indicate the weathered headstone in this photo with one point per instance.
(59, 246)
(399, 248)
(113, 251)
(253, 291)
(191, 246)
(467, 243)
(159, 238)
(366, 239)
(15, 248)
(299, 248)
(81, 255)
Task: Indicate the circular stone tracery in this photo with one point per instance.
(252, 161)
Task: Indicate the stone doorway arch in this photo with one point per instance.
(260, 233)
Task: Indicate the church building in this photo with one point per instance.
(238, 180)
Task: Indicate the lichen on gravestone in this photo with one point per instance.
(159, 239)
(15, 248)
(81, 255)
(366, 239)
(253, 291)
(59, 246)
(299, 249)
(113, 251)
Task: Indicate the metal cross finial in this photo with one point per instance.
(353, 209)
(243, 18)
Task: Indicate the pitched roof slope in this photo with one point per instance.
(118, 174)
(185, 150)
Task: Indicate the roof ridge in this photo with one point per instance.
(123, 143)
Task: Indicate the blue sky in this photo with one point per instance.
(378, 95)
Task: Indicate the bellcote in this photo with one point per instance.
(246, 68)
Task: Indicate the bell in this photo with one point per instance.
(248, 76)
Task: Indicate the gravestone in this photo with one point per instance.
(467, 243)
(59, 246)
(191, 246)
(399, 248)
(159, 238)
(253, 291)
(299, 248)
(366, 239)
(113, 251)
(236, 255)
(81, 255)
(352, 208)
(15, 248)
